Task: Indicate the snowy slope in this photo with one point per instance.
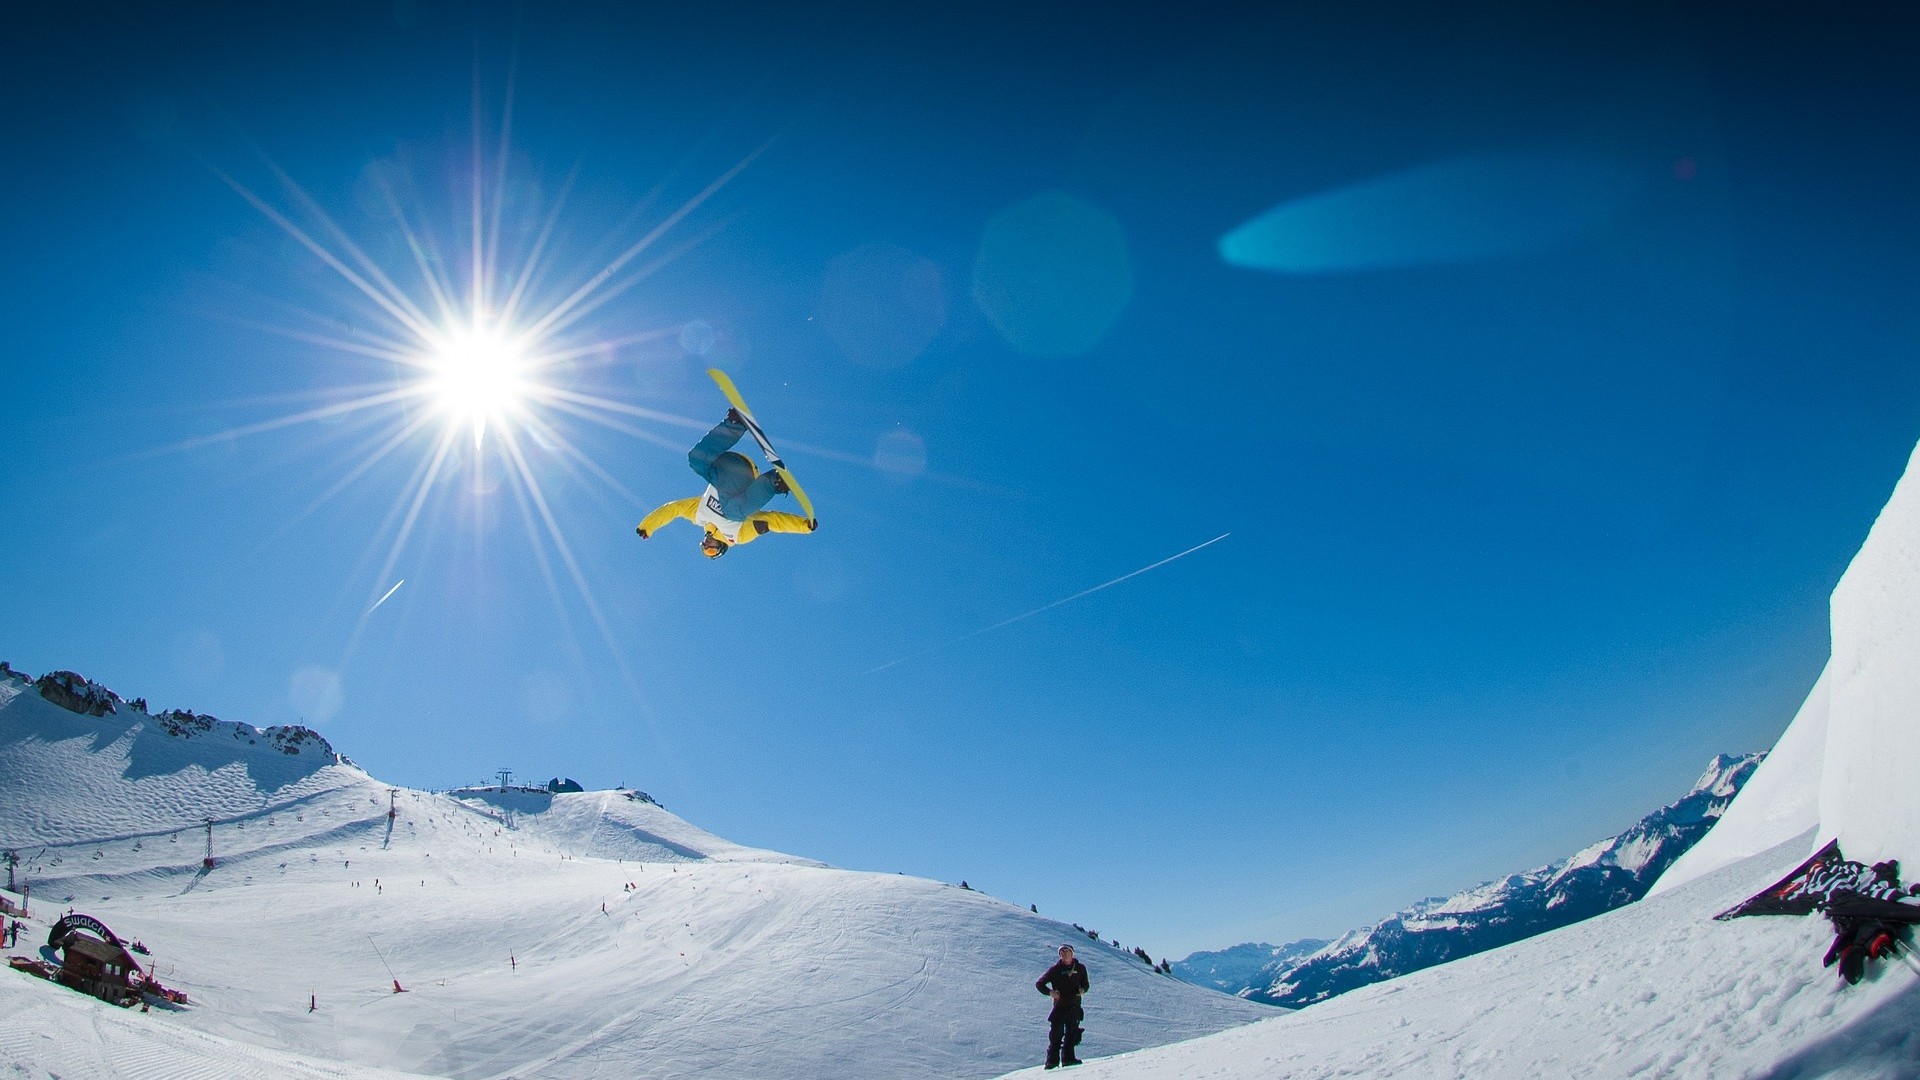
(709, 959)
(66, 1035)
(57, 761)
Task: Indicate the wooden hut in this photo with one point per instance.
(100, 968)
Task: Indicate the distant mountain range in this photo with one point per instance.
(1607, 875)
(1233, 970)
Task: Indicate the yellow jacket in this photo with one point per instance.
(758, 524)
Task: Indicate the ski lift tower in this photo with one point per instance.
(13, 860)
(392, 810)
(506, 778)
(208, 861)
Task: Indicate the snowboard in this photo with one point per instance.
(1846, 904)
(1830, 882)
(1801, 892)
(739, 403)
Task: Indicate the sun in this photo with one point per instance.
(478, 375)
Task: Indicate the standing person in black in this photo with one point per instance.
(1064, 982)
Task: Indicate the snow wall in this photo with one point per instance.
(1867, 795)
(1845, 766)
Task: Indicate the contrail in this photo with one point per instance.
(1046, 607)
(390, 592)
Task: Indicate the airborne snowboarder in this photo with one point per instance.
(730, 511)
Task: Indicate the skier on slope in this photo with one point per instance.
(1064, 982)
(730, 511)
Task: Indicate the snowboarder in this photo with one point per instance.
(730, 511)
(1064, 982)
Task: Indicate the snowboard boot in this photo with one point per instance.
(1853, 964)
(1843, 941)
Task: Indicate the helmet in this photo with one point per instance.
(713, 547)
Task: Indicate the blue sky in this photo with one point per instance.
(1561, 366)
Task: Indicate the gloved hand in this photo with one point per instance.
(812, 524)
(641, 531)
(734, 417)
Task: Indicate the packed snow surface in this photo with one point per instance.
(65, 1035)
(553, 935)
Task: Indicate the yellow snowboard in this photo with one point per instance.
(753, 428)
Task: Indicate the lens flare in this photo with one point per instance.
(478, 375)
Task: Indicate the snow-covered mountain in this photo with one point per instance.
(1604, 876)
(1232, 970)
(535, 933)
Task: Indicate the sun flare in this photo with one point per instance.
(477, 376)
